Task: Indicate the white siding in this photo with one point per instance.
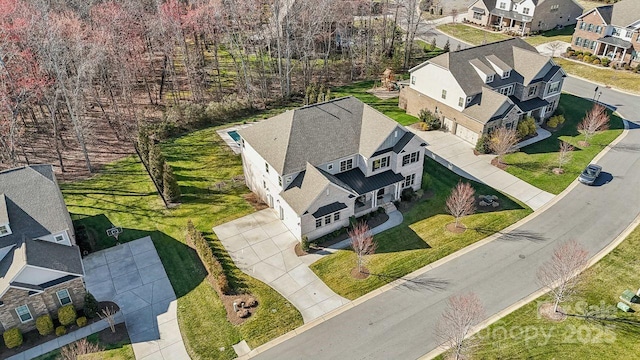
(308, 222)
(431, 79)
(51, 238)
(256, 176)
(36, 276)
(527, 4)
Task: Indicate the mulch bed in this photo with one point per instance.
(499, 165)
(546, 310)
(255, 201)
(583, 144)
(243, 301)
(451, 227)
(33, 338)
(377, 220)
(120, 336)
(359, 274)
(558, 171)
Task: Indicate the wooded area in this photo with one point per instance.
(78, 78)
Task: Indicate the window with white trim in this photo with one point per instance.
(59, 238)
(410, 158)
(318, 223)
(413, 80)
(590, 28)
(629, 34)
(5, 230)
(532, 90)
(477, 15)
(507, 90)
(525, 11)
(550, 107)
(506, 74)
(503, 5)
(489, 79)
(266, 167)
(24, 313)
(409, 180)
(63, 297)
(346, 165)
(598, 29)
(554, 87)
(583, 25)
(327, 220)
(330, 167)
(444, 94)
(279, 180)
(555, 7)
(578, 40)
(336, 216)
(380, 163)
(461, 102)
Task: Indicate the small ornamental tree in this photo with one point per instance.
(91, 306)
(461, 202)
(559, 274)
(362, 243)
(564, 154)
(170, 188)
(502, 141)
(81, 347)
(447, 46)
(456, 324)
(595, 120)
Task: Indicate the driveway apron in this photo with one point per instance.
(132, 276)
(262, 247)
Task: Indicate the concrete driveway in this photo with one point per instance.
(132, 276)
(262, 247)
(456, 154)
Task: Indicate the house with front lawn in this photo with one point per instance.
(523, 16)
(41, 266)
(476, 90)
(318, 165)
(611, 31)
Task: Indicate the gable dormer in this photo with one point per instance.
(485, 72)
(501, 68)
(5, 229)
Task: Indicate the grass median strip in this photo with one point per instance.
(421, 239)
(618, 79)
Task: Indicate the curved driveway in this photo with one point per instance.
(398, 324)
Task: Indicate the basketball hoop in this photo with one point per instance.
(114, 232)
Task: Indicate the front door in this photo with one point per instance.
(380, 193)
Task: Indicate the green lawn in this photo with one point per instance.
(575, 338)
(113, 351)
(421, 238)
(471, 34)
(477, 36)
(122, 194)
(534, 163)
(619, 79)
(389, 107)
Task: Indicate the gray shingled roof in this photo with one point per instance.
(625, 13)
(54, 256)
(34, 204)
(488, 106)
(523, 58)
(4, 215)
(615, 41)
(318, 134)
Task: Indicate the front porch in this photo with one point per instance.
(372, 191)
(371, 201)
(536, 108)
(614, 48)
(510, 21)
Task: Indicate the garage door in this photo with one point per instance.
(448, 124)
(466, 134)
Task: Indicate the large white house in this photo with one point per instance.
(320, 164)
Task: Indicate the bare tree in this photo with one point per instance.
(502, 141)
(461, 315)
(461, 202)
(595, 120)
(75, 350)
(362, 243)
(565, 154)
(109, 315)
(454, 14)
(554, 46)
(559, 274)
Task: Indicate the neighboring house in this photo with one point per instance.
(40, 267)
(612, 31)
(476, 90)
(524, 16)
(321, 164)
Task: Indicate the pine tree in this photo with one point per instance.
(447, 46)
(433, 44)
(171, 190)
(143, 145)
(156, 164)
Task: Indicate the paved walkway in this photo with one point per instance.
(457, 155)
(262, 247)
(132, 276)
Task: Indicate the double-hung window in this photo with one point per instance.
(381, 163)
(63, 297)
(410, 158)
(24, 314)
(409, 180)
(346, 165)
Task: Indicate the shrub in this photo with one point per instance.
(626, 66)
(614, 66)
(552, 122)
(61, 330)
(81, 321)
(433, 124)
(44, 324)
(67, 315)
(526, 127)
(170, 187)
(217, 277)
(423, 126)
(407, 194)
(91, 307)
(12, 338)
(482, 146)
(596, 62)
(605, 61)
(569, 48)
(425, 115)
(560, 118)
(304, 243)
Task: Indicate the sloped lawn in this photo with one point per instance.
(123, 195)
(421, 239)
(534, 163)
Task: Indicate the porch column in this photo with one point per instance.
(598, 46)
(613, 54)
(374, 199)
(606, 49)
(397, 191)
(624, 53)
(511, 24)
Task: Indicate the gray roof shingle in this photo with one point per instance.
(54, 256)
(625, 13)
(488, 106)
(318, 134)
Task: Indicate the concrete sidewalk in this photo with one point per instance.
(262, 247)
(457, 155)
(132, 276)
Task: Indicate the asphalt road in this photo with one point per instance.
(399, 323)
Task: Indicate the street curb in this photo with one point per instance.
(452, 37)
(457, 254)
(597, 257)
